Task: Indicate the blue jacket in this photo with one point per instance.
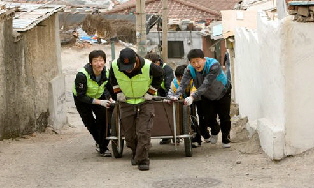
(211, 82)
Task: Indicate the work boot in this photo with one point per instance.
(133, 161)
(143, 165)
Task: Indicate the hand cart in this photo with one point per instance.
(171, 121)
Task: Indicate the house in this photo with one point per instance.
(32, 86)
(199, 13)
(273, 70)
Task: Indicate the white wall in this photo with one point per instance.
(299, 88)
(246, 70)
(259, 73)
(273, 72)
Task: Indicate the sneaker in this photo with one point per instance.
(213, 139)
(165, 141)
(226, 145)
(178, 141)
(143, 165)
(206, 140)
(97, 148)
(106, 153)
(195, 144)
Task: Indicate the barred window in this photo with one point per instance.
(175, 49)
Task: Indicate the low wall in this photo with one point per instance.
(273, 73)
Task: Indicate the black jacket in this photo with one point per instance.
(81, 85)
(167, 79)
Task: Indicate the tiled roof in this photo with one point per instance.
(216, 5)
(182, 9)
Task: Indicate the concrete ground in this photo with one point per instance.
(69, 159)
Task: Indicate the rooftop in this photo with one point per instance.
(199, 10)
(28, 15)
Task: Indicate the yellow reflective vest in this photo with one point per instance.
(93, 89)
(133, 88)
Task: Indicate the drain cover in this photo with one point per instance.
(187, 182)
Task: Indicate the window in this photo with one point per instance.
(175, 49)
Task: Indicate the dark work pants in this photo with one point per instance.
(220, 107)
(137, 122)
(96, 126)
(202, 125)
(194, 122)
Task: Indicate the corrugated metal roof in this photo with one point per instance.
(301, 3)
(6, 14)
(29, 15)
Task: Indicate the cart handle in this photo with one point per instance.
(156, 98)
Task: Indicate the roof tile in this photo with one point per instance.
(183, 9)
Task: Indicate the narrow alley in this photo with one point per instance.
(67, 158)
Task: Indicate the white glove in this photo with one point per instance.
(112, 101)
(173, 98)
(105, 103)
(167, 101)
(188, 101)
(148, 97)
(121, 97)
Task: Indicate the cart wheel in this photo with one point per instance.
(186, 130)
(116, 144)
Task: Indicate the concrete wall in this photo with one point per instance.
(298, 57)
(57, 102)
(190, 40)
(5, 30)
(57, 88)
(273, 70)
(2, 78)
(30, 64)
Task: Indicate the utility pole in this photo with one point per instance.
(141, 27)
(165, 30)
